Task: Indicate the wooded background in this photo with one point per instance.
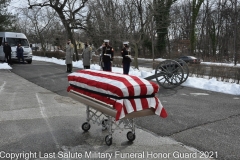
(207, 29)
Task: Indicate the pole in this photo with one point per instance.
(235, 34)
(152, 43)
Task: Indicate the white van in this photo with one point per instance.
(13, 40)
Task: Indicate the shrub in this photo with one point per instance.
(50, 54)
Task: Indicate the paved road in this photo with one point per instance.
(37, 124)
(205, 120)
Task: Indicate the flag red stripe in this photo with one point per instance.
(97, 84)
(110, 76)
(100, 81)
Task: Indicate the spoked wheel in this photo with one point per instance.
(86, 126)
(185, 69)
(108, 140)
(169, 74)
(131, 136)
(104, 124)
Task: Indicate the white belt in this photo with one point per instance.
(108, 55)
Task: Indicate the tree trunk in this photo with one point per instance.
(69, 33)
(136, 55)
(161, 14)
(195, 10)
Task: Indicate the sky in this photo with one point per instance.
(194, 82)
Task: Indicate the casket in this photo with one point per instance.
(126, 94)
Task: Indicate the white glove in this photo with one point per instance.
(107, 55)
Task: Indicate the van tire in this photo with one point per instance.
(29, 62)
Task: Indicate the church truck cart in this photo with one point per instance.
(114, 100)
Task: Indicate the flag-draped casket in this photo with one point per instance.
(125, 93)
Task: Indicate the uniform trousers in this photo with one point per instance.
(20, 56)
(107, 66)
(86, 67)
(8, 57)
(69, 67)
(126, 66)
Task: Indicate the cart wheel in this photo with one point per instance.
(169, 74)
(108, 140)
(104, 124)
(131, 136)
(185, 69)
(86, 126)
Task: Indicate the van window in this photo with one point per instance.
(16, 41)
(1, 42)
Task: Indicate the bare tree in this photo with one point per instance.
(196, 4)
(210, 26)
(41, 22)
(70, 13)
(7, 20)
(120, 21)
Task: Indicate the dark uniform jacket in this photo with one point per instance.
(7, 49)
(19, 51)
(125, 52)
(107, 53)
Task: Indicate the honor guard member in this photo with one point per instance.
(126, 57)
(107, 56)
(101, 56)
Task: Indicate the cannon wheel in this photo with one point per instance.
(185, 69)
(169, 74)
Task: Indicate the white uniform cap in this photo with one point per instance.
(106, 40)
(125, 42)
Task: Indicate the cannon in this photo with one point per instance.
(170, 73)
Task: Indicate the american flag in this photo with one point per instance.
(126, 93)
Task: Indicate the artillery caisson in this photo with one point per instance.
(170, 73)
